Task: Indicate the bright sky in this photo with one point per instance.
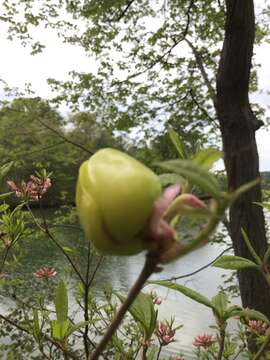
(18, 67)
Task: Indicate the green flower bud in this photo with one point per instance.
(115, 197)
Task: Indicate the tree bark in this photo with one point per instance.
(238, 125)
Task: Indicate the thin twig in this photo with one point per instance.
(55, 132)
(21, 328)
(149, 268)
(200, 107)
(45, 230)
(198, 270)
(7, 252)
(49, 234)
(95, 271)
(86, 303)
(63, 137)
(123, 13)
(159, 351)
(201, 67)
(168, 52)
(240, 350)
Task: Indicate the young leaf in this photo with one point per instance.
(3, 207)
(61, 302)
(143, 311)
(206, 158)
(69, 250)
(232, 311)
(230, 262)
(195, 174)
(194, 295)
(79, 325)
(4, 169)
(178, 144)
(220, 303)
(5, 195)
(171, 179)
(59, 329)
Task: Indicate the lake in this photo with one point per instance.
(121, 272)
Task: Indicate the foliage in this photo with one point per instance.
(156, 61)
(43, 322)
(35, 136)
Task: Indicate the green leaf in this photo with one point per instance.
(195, 174)
(59, 329)
(69, 249)
(151, 353)
(4, 169)
(194, 295)
(231, 262)
(265, 205)
(253, 314)
(143, 311)
(207, 157)
(232, 311)
(61, 302)
(171, 179)
(3, 207)
(178, 144)
(244, 188)
(79, 325)
(220, 303)
(5, 195)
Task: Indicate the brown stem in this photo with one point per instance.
(149, 268)
(86, 300)
(222, 342)
(159, 351)
(145, 348)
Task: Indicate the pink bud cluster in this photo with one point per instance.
(165, 333)
(258, 326)
(33, 189)
(156, 299)
(204, 341)
(45, 273)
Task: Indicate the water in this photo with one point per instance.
(121, 273)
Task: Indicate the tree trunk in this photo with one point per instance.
(238, 125)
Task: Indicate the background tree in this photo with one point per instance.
(158, 62)
(238, 126)
(35, 136)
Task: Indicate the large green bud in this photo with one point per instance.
(115, 197)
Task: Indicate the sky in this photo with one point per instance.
(18, 67)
